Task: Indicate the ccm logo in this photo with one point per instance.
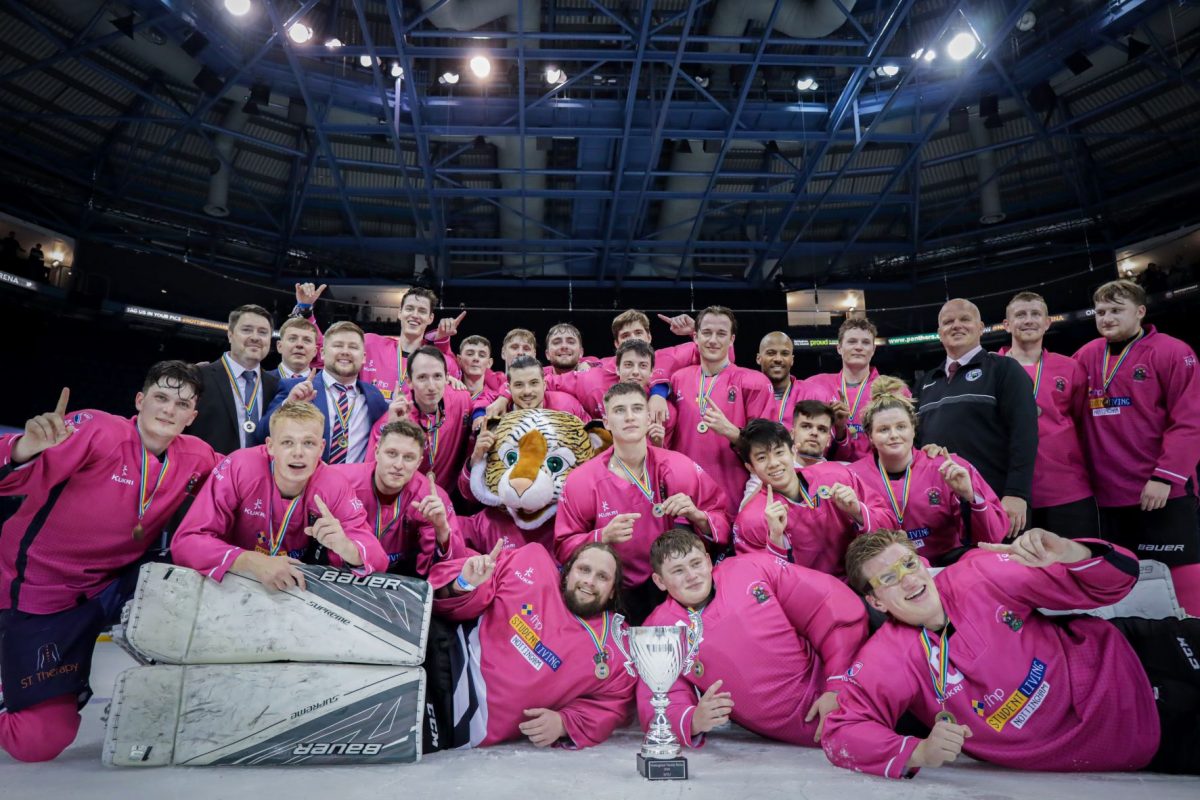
(1187, 652)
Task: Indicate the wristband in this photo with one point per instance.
(461, 583)
(304, 306)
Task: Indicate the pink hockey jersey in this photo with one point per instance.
(1060, 474)
(240, 504)
(819, 534)
(529, 651)
(742, 395)
(382, 361)
(483, 529)
(593, 495)
(1146, 423)
(74, 531)
(773, 633)
(1037, 693)
(933, 516)
(406, 536)
(553, 401)
(827, 387)
(783, 407)
(445, 452)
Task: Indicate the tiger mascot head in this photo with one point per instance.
(527, 466)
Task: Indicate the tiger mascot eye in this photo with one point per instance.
(526, 468)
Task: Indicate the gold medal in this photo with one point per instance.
(139, 532)
(1039, 411)
(702, 427)
(248, 426)
(945, 716)
(657, 510)
(824, 492)
(697, 668)
(602, 670)
(344, 441)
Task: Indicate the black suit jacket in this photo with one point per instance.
(216, 422)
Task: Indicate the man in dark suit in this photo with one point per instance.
(236, 388)
(980, 405)
(351, 407)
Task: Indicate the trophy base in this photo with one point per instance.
(662, 769)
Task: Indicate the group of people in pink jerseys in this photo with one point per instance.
(791, 524)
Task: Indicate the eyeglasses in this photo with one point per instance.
(896, 572)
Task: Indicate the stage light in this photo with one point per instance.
(239, 8)
(333, 43)
(806, 84)
(300, 33)
(481, 66)
(554, 75)
(449, 76)
(889, 70)
(397, 70)
(364, 62)
(961, 46)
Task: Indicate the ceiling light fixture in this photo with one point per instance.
(300, 33)
(239, 8)
(961, 46)
(481, 66)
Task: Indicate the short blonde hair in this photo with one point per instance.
(1027, 297)
(866, 547)
(345, 326)
(519, 333)
(887, 402)
(298, 322)
(304, 413)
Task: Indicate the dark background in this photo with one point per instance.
(80, 338)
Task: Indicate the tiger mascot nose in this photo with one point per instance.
(531, 454)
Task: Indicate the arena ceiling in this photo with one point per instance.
(739, 143)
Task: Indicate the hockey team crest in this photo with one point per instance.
(935, 497)
(1060, 384)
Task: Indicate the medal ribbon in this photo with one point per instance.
(277, 539)
(809, 500)
(431, 436)
(401, 366)
(939, 673)
(643, 484)
(783, 403)
(598, 642)
(144, 498)
(1037, 378)
(702, 398)
(902, 506)
(380, 528)
(345, 418)
(1108, 376)
(237, 390)
(857, 398)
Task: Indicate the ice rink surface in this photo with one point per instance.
(733, 764)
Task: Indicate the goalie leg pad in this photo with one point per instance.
(178, 616)
(265, 714)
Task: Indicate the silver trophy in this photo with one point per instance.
(661, 653)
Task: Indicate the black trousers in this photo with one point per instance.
(1169, 650)
(1170, 534)
(1076, 520)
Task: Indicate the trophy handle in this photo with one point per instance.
(620, 631)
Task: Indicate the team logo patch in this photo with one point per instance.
(1139, 373)
(974, 375)
(48, 657)
(935, 497)
(732, 394)
(1022, 703)
(526, 641)
(1009, 618)
(760, 593)
(1060, 384)
(978, 707)
(526, 609)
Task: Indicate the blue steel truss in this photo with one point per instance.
(818, 203)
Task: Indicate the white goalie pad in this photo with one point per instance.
(265, 714)
(1152, 597)
(177, 616)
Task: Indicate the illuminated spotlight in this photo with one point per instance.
(449, 76)
(961, 46)
(397, 70)
(930, 55)
(917, 55)
(300, 33)
(481, 66)
(239, 8)
(364, 61)
(888, 70)
(806, 84)
(554, 75)
(334, 43)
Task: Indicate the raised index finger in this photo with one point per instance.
(432, 478)
(496, 550)
(61, 409)
(459, 318)
(665, 318)
(325, 512)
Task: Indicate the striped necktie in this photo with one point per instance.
(340, 427)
